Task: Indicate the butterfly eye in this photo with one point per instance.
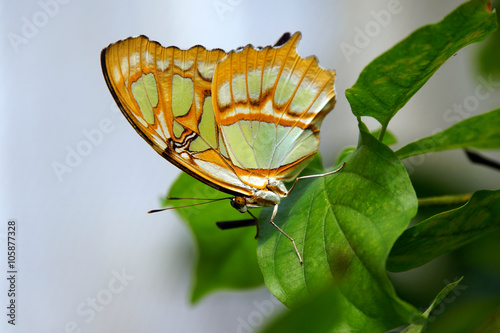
(240, 204)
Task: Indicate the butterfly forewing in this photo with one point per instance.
(165, 93)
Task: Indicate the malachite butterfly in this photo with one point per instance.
(243, 122)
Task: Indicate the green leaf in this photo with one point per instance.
(314, 167)
(420, 327)
(480, 132)
(389, 81)
(345, 154)
(318, 314)
(446, 231)
(226, 258)
(389, 139)
(344, 226)
(490, 51)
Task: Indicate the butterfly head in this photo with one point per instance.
(240, 204)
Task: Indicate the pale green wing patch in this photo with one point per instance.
(239, 88)
(207, 127)
(146, 95)
(285, 88)
(294, 144)
(271, 147)
(182, 95)
(254, 84)
(241, 152)
(178, 129)
(264, 143)
(198, 145)
(303, 98)
(251, 143)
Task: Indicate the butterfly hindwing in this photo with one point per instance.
(269, 103)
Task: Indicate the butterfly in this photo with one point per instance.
(243, 122)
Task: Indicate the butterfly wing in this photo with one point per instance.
(165, 93)
(269, 104)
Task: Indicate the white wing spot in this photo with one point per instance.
(224, 95)
(163, 126)
(161, 135)
(268, 108)
(148, 58)
(183, 65)
(206, 71)
(256, 181)
(117, 76)
(159, 142)
(140, 120)
(134, 59)
(239, 88)
(124, 66)
(162, 64)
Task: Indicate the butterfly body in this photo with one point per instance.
(243, 122)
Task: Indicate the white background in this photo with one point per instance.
(77, 229)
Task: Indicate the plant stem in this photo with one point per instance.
(382, 132)
(444, 200)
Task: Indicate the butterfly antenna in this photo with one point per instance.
(206, 201)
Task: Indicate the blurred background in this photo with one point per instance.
(78, 180)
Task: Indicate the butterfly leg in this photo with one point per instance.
(256, 223)
(314, 176)
(275, 210)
